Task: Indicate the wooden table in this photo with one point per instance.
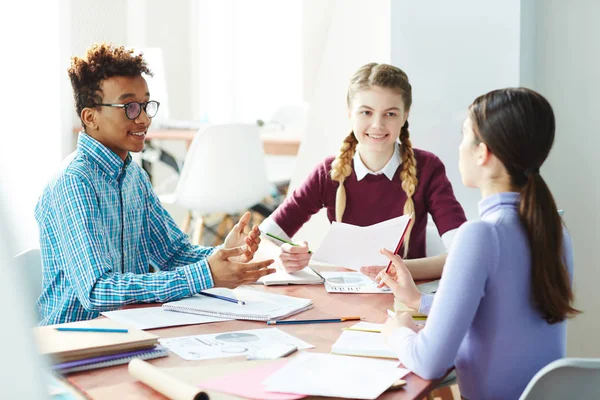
(115, 382)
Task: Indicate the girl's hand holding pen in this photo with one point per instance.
(400, 281)
(294, 258)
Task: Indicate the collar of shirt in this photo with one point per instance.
(106, 159)
(389, 169)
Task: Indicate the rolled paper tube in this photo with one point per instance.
(163, 382)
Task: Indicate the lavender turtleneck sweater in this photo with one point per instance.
(481, 319)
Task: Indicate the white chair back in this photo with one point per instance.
(21, 367)
(224, 171)
(566, 378)
(291, 115)
(434, 246)
(29, 263)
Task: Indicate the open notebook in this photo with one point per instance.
(260, 305)
(306, 276)
(361, 343)
(70, 346)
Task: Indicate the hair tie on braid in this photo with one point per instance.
(530, 171)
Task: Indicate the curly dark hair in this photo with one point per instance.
(102, 61)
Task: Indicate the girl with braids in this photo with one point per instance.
(506, 290)
(377, 176)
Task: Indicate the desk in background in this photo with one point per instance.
(273, 143)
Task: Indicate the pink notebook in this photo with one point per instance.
(249, 383)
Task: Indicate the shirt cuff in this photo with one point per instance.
(426, 301)
(270, 226)
(199, 276)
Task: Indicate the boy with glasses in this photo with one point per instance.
(102, 225)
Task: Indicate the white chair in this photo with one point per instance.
(21, 367)
(29, 263)
(565, 378)
(291, 114)
(224, 172)
(434, 246)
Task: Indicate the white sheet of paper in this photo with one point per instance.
(366, 327)
(156, 317)
(321, 374)
(351, 282)
(352, 246)
(365, 344)
(229, 344)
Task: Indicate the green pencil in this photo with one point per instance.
(284, 241)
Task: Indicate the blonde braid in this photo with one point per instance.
(408, 176)
(341, 168)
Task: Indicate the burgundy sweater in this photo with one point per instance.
(375, 199)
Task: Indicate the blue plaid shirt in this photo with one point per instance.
(101, 227)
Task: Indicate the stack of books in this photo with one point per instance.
(98, 343)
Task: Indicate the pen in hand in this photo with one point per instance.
(284, 241)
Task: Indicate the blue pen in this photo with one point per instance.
(216, 296)
(106, 330)
(312, 321)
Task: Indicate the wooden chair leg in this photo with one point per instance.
(455, 392)
(443, 393)
(222, 229)
(185, 226)
(197, 237)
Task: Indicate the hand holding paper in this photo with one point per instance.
(352, 246)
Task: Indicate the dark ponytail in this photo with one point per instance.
(517, 125)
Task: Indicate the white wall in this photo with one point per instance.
(453, 52)
(30, 109)
(566, 70)
(249, 61)
(355, 35)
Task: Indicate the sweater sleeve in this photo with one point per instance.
(433, 350)
(446, 211)
(305, 201)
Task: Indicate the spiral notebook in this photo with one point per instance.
(260, 305)
(110, 360)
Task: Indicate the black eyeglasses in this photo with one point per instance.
(134, 109)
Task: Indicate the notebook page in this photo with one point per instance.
(259, 305)
(304, 276)
(359, 343)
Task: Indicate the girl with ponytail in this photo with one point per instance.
(376, 176)
(500, 311)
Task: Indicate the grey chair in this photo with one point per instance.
(29, 262)
(565, 378)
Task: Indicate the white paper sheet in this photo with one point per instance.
(320, 374)
(351, 282)
(229, 344)
(365, 344)
(352, 246)
(156, 317)
(366, 327)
